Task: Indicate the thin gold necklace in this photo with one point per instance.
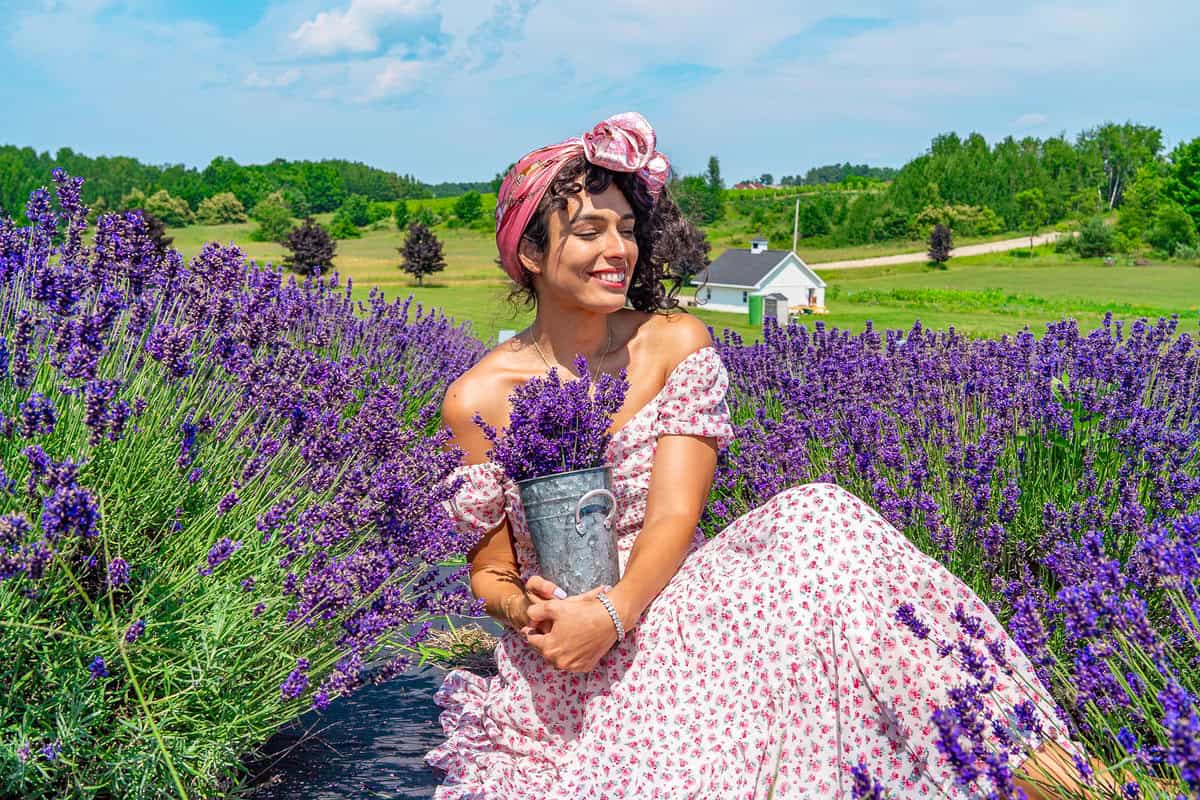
(603, 356)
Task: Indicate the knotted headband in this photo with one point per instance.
(622, 143)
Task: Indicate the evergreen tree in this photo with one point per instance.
(422, 253)
(941, 241)
(310, 248)
(401, 215)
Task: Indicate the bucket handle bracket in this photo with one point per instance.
(579, 504)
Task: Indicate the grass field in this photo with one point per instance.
(1036, 290)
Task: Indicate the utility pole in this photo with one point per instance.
(796, 225)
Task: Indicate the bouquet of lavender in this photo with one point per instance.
(554, 449)
(557, 426)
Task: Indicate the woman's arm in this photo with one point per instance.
(680, 481)
(495, 572)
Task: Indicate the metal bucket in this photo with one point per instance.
(570, 518)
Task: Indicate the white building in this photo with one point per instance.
(737, 274)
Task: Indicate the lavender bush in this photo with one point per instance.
(556, 426)
(219, 501)
(1058, 476)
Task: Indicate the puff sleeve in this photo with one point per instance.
(478, 505)
(693, 399)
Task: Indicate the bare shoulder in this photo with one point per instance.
(676, 336)
(480, 390)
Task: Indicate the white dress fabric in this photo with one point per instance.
(769, 665)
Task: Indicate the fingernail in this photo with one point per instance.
(559, 593)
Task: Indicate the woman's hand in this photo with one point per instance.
(571, 634)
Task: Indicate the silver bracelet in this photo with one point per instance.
(612, 612)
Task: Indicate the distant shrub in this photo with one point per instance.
(377, 211)
(1187, 252)
(274, 219)
(356, 209)
(468, 208)
(426, 216)
(342, 228)
(173, 211)
(221, 209)
(1172, 226)
(965, 220)
(1095, 239)
(401, 214)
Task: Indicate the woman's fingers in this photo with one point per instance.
(544, 589)
(541, 612)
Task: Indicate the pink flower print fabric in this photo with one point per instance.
(769, 665)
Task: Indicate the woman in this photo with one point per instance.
(765, 662)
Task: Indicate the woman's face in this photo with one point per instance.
(590, 251)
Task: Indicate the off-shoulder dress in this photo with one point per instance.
(771, 663)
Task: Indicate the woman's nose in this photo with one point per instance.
(614, 244)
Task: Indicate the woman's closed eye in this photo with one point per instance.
(628, 233)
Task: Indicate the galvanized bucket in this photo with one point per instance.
(570, 518)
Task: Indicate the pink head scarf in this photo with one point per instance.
(622, 143)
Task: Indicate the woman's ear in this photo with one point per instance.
(529, 256)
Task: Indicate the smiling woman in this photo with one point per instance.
(764, 662)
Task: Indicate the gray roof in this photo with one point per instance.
(740, 267)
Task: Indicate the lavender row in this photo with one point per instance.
(1058, 475)
(219, 501)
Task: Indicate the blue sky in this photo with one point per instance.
(457, 89)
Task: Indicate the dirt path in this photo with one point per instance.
(912, 258)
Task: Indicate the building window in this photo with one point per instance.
(745, 297)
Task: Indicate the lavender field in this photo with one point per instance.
(220, 504)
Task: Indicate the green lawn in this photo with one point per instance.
(471, 288)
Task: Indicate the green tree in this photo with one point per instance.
(135, 198)
(340, 227)
(1145, 194)
(274, 219)
(1183, 177)
(401, 214)
(422, 252)
(1173, 226)
(1120, 150)
(220, 209)
(322, 185)
(173, 211)
(310, 249)
(356, 210)
(697, 201)
(814, 219)
(767, 178)
(1032, 207)
(468, 208)
(426, 216)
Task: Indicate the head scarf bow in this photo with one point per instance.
(622, 143)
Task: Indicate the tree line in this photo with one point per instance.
(307, 186)
(976, 188)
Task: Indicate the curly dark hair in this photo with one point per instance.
(669, 245)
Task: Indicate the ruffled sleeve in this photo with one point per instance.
(478, 506)
(693, 399)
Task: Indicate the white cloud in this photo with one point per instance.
(394, 77)
(282, 80)
(356, 29)
(1030, 120)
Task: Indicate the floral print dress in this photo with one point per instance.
(771, 663)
